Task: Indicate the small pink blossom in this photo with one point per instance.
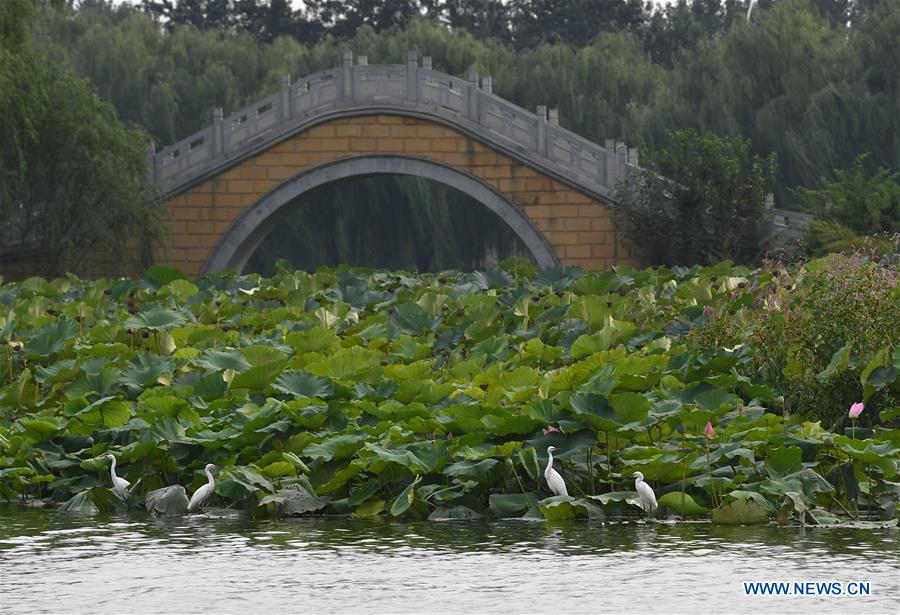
(710, 432)
(550, 429)
(856, 409)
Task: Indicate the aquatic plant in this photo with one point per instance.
(377, 393)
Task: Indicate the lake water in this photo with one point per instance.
(55, 563)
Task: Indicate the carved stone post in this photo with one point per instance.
(348, 75)
(487, 84)
(362, 61)
(412, 77)
(426, 62)
(473, 96)
(609, 166)
(285, 99)
(218, 132)
(151, 161)
(621, 159)
(553, 116)
(542, 129)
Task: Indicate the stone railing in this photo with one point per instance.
(469, 105)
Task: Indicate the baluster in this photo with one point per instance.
(285, 98)
(412, 77)
(473, 96)
(347, 82)
(151, 161)
(553, 116)
(218, 144)
(542, 130)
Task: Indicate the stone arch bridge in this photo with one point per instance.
(230, 183)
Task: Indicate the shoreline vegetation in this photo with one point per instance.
(394, 394)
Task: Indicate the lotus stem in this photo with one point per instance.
(712, 485)
(590, 467)
(683, 472)
(869, 479)
(843, 507)
(518, 480)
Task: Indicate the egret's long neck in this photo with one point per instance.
(549, 460)
(112, 468)
(210, 477)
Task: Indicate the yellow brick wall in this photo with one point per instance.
(579, 228)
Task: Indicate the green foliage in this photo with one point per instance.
(818, 333)
(796, 81)
(402, 406)
(701, 199)
(854, 205)
(73, 180)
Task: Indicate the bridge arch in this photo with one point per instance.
(562, 185)
(248, 231)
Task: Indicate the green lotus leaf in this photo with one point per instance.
(51, 338)
(294, 500)
(147, 369)
(403, 501)
(315, 339)
(411, 319)
(100, 382)
(336, 447)
(216, 360)
(784, 460)
(504, 505)
(740, 511)
(529, 460)
(629, 497)
(454, 513)
(156, 319)
(475, 470)
(80, 503)
(301, 383)
(630, 407)
(683, 504)
(171, 500)
(839, 362)
(240, 482)
(371, 508)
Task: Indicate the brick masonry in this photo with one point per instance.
(580, 229)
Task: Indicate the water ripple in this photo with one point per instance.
(223, 563)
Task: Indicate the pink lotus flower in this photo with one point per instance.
(550, 429)
(710, 432)
(856, 409)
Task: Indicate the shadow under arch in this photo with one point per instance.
(246, 233)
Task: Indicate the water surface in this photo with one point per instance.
(57, 563)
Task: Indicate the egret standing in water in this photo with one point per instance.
(201, 494)
(120, 485)
(554, 480)
(645, 492)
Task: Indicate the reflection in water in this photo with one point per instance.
(141, 565)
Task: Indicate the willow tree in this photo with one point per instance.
(74, 194)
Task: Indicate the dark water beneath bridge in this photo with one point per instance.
(388, 222)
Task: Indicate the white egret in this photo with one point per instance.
(554, 480)
(201, 494)
(645, 492)
(120, 485)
